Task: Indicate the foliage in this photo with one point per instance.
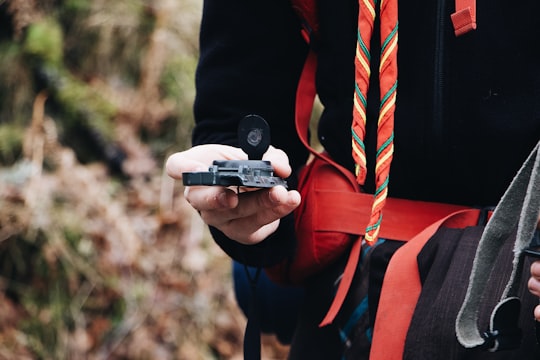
(44, 40)
(10, 143)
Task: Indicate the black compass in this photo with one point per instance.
(254, 139)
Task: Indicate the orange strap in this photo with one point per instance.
(464, 19)
(401, 289)
(388, 70)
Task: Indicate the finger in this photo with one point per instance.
(279, 160)
(537, 313)
(534, 286)
(210, 198)
(535, 269)
(199, 158)
(179, 163)
(264, 204)
(276, 205)
(250, 227)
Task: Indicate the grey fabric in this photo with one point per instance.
(519, 206)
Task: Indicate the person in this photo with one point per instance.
(467, 115)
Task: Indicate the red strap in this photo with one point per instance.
(407, 290)
(307, 11)
(464, 19)
(401, 289)
(305, 96)
(345, 282)
(403, 219)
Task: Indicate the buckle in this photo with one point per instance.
(485, 214)
(504, 332)
(506, 339)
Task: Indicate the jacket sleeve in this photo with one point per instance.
(251, 56)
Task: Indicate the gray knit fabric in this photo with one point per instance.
(519, 206)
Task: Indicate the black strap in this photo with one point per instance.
(252, 335)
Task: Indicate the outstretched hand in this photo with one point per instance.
(248, 216)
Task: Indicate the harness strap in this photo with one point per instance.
(519, 206)
(403, 218)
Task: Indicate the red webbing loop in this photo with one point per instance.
(464, 19)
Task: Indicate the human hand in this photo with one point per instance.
(249, 216)
(534, 285)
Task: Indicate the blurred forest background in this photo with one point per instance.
(100, 257)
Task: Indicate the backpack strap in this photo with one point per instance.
(305, 97)
(519, 206)
(307, 11)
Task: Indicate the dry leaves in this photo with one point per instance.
(134, 280)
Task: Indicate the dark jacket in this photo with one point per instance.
(467, 113)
